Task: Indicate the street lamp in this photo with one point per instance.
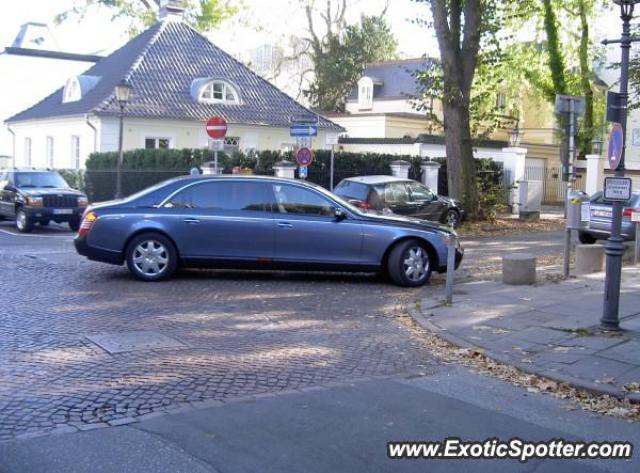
(514, 136)
(614, 246)
(596, 146)
(122, 92)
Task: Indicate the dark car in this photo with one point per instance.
(257, 222)
(600, 212)
(31, 196)
(401, 196)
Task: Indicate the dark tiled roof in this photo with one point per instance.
(398, 78)
(160, 64)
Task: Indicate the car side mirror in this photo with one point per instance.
(339, 214)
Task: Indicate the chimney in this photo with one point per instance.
(171, 9)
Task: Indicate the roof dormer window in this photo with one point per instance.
(365, 93)
(72, 91)
(218, 91)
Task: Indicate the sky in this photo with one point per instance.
(265, 22)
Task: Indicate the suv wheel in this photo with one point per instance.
(451, 218)
(74, 224)
(151, 257)
(24, 224)
(409, 264)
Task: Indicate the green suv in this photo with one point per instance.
(31, 196)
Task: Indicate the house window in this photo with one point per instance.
(72, 91)
(365, 93)
(218, 91)
(157, 143)
(27, 151)
(49, 151)
(75, 152)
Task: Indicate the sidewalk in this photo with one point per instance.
(551, 329)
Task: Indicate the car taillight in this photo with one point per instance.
(87, 222)
(627, 213)
(364, 205)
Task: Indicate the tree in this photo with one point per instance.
(462, 27)
(340, 59)
(203, 15)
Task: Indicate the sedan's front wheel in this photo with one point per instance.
(409, 264)
(151, 257)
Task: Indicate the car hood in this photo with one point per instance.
(40, 191)
(407, 222)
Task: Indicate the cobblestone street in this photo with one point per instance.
(230, 334)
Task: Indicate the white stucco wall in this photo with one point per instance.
(383, 106)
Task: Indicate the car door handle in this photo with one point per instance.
(191, 220)
(285, 225)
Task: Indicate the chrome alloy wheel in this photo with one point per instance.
(150, 258)
(416, 264)
(452, 219)
(21, 221)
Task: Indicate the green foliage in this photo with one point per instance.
(203, 15)
(340, 59)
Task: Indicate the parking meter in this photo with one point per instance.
(575, 200)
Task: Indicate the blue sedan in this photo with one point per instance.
(257, 222)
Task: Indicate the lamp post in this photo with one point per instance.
(596, 146)
(123, 90)
(514, 136)
(614, 247)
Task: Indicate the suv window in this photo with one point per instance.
(353, 190)
(296, 200)
(420, 192)
(235, 195)
(40, 179)
(396, 192)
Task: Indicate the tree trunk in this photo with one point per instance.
(461, 175)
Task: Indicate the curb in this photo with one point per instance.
(591, 387)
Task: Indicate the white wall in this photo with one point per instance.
(26, 80)
(382, 106)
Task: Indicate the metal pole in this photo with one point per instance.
(215, 162)
(331, 179)
(451, 267)
(636, 249)
(120, 156)
(566, 270)
(614, 246)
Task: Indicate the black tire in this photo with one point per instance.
(161, 246)
(44, 223)
(74, 224)
(23, 223)
(586, 239)
(451, 217)
(398, 266)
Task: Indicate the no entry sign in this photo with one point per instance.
(216, 127)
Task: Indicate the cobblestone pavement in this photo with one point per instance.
(239, 334)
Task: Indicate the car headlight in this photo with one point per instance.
(34, 201)
(83, 201)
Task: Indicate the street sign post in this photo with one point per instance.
(332, 140)
(303, 172)
(303, 130)
(216, 129)
(635, 218)
(616, 145)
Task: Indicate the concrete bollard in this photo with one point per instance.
(519, 269)
(589, 259)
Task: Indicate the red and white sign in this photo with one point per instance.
(304, 156)
(216, 127)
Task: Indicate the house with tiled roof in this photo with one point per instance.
(179, 79)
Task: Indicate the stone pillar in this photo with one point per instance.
(514, 159)
(595, 173)
(430, 171)
(284, 168)
(400, 169)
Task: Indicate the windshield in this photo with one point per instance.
(40, 179)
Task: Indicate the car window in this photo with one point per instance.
(233, 195)
(396, 193)
(419, 192)
(353, 190)
(300, 201)
(40, 179)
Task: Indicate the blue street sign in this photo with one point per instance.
(302, 172)
(303, 130)
(616, 145)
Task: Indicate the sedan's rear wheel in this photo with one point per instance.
(151, 257)
(409, 264)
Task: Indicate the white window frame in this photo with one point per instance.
(157, 142)
(50, 155)
(219, 92)
(75, 151)
(72, 91)
(27, 151)
(365, 93)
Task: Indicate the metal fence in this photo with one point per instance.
(554, 190)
